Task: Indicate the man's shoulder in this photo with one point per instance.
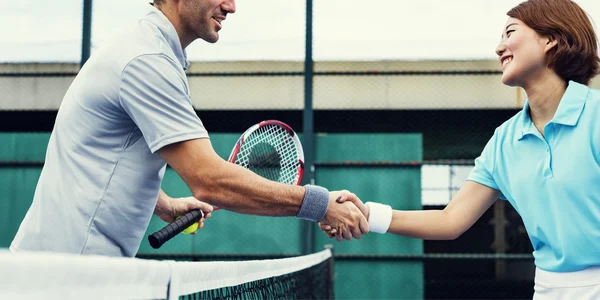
(142, 41)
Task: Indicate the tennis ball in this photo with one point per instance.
(190, 229)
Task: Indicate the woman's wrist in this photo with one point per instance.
(380, 217)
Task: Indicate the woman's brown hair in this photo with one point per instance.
(575, 56)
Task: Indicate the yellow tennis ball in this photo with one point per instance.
(190, 229)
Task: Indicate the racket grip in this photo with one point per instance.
(160, 237)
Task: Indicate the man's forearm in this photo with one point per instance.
(162, 203)
(218, 182)
(238, 189)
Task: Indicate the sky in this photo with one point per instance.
(45, 31)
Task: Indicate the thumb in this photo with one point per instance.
(341, 199)
(193, 203)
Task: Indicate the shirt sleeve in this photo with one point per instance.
(154, 93)
(483, 172)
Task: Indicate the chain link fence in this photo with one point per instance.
(230, 97)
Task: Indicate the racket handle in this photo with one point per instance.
(160, 237)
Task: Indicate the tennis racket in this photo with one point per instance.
(270, 149)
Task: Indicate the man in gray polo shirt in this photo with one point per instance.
(126, 115)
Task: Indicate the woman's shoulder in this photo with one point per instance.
(594, 95)
(514, 124)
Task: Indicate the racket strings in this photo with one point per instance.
(271, 152)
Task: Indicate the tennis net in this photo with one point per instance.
(62, 276)
(311, 283)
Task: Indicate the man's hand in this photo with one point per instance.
(346, 213)
(167, 208)
(332, 231)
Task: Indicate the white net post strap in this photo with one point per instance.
(193, 277)
(36, 275)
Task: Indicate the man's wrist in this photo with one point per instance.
(380, 217)
(315, 203)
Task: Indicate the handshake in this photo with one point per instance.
(348, 217)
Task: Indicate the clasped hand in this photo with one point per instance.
(346, 217)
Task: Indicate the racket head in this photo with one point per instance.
(272, 150)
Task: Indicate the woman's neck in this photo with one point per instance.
(543, 97)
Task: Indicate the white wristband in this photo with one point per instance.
(380, 217)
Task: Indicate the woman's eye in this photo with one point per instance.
(508, 33)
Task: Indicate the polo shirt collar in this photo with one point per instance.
(568, 112)
(526, 125)
(156, 17)
(571, 105)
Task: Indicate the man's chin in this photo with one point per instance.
(211, 39)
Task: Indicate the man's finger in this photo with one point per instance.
(192, 203)
(205, 207)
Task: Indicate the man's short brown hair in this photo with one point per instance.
(158, 2)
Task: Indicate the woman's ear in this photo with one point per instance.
(551, 42)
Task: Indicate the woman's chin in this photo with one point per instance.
(508, 80)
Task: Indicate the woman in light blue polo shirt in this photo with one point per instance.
(545, 160)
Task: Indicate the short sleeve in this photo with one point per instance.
(154, 94)
(483, 171)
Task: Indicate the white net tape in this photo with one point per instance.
(38, 275)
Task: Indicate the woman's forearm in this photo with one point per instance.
(423, 224)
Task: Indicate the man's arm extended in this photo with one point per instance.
(229, 186)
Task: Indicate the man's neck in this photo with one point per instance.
(170, 11)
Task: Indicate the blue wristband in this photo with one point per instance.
(315, 203)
